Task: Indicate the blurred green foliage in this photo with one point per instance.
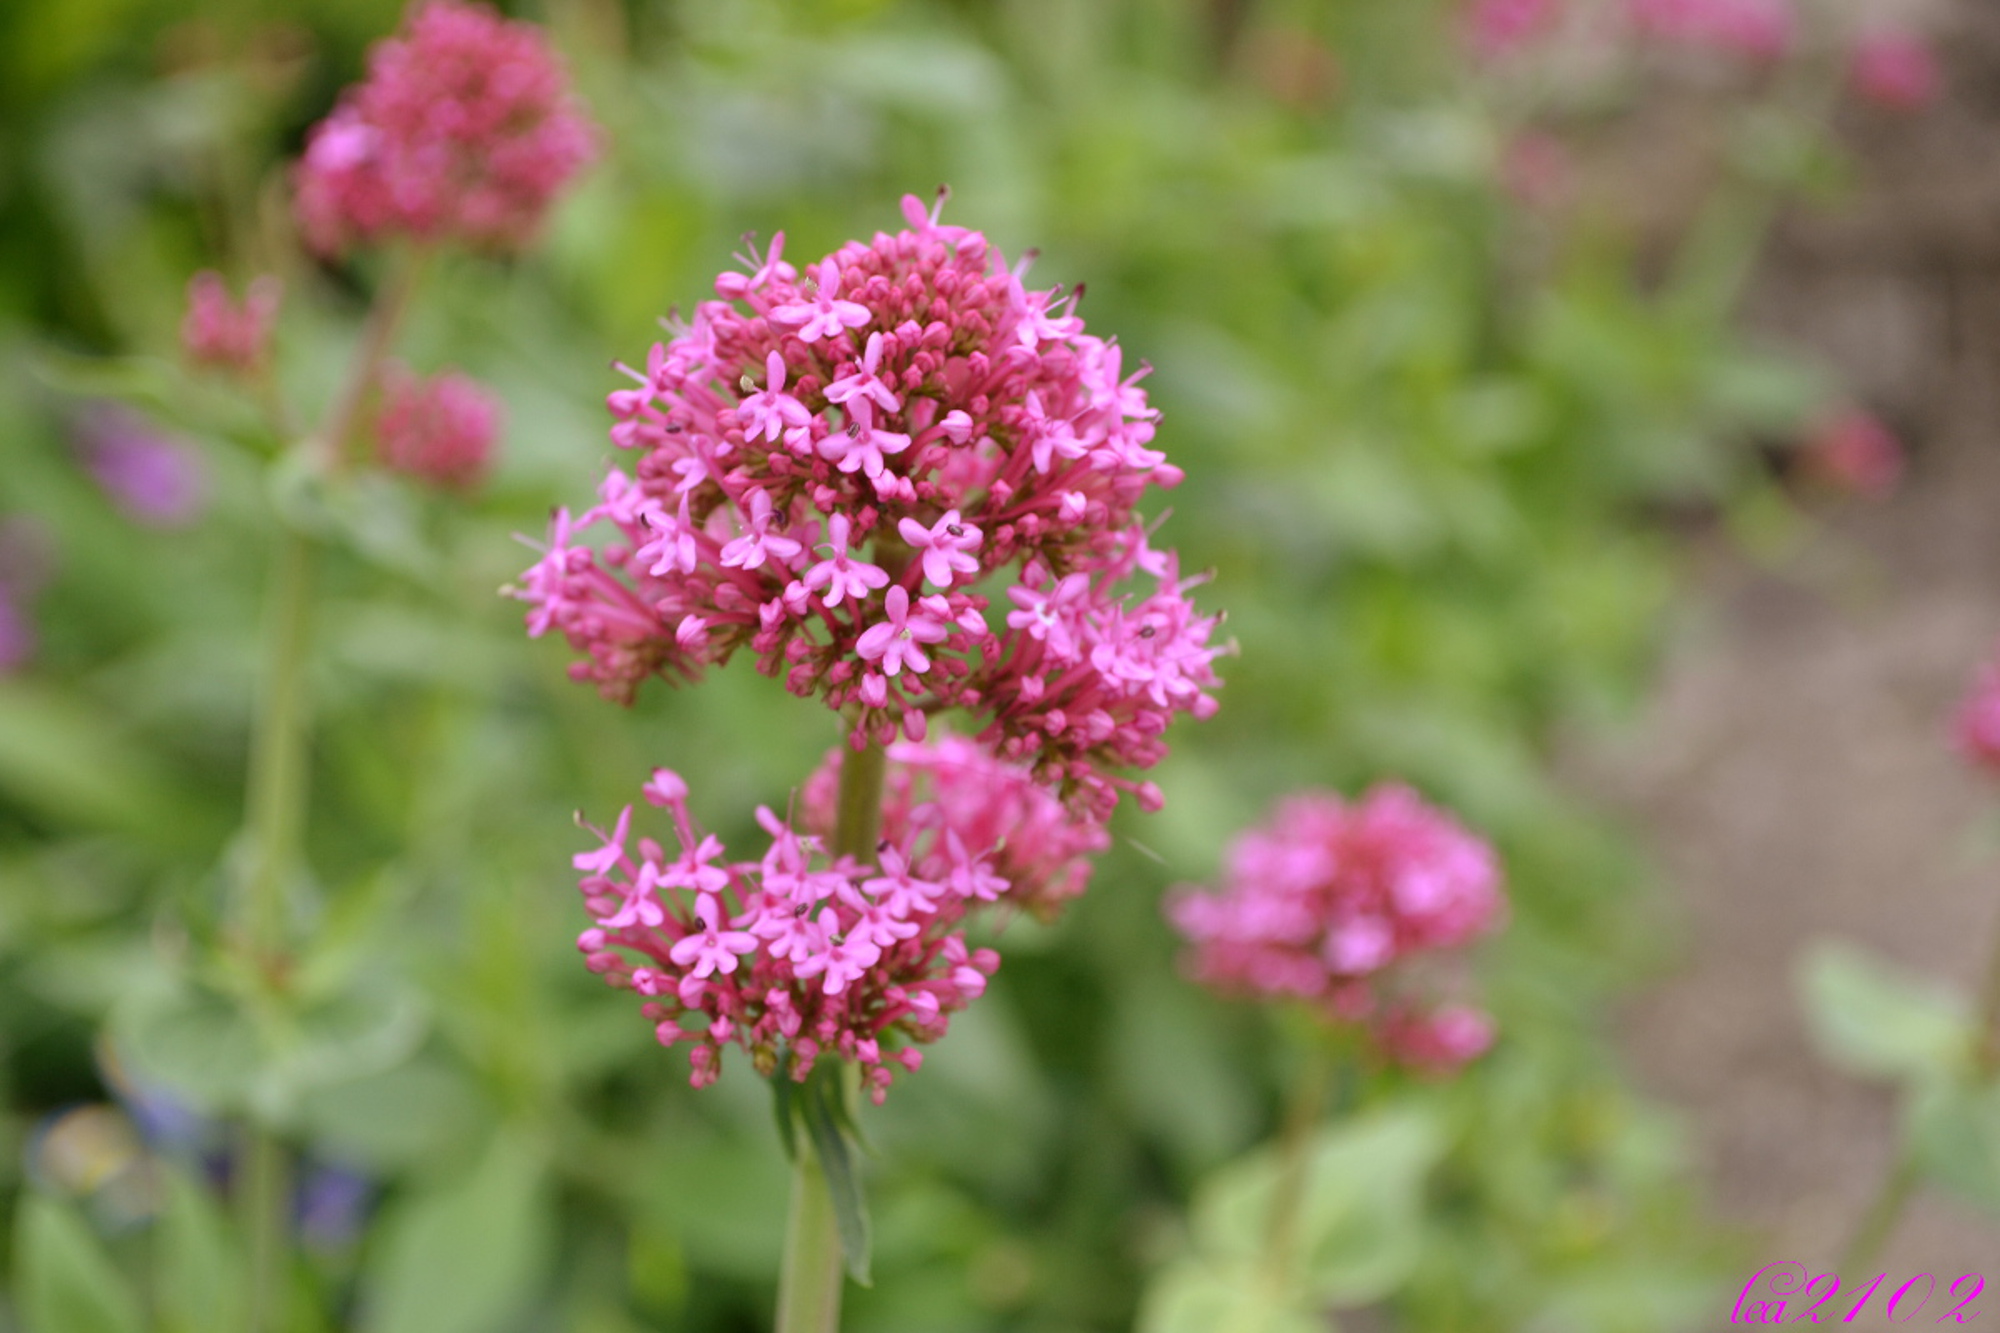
(1437, 446)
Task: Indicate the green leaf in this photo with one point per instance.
(824, 1120)
(65, 758)
(394, 1120)
(366, 1030)
(1199, 1296)
(1871, 1019)
(1955, 1134)
(199, 1269)
(67, 1284)
(1358, 1228)
(465, 1258)
(194, 1041)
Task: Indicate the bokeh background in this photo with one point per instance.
(1498, 378)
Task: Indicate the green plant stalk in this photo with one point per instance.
(1305, 1103)
(275, 803)
(810, 1280)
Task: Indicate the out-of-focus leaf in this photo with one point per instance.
(393, 1120)
(200, 1278)
(193, 1041)
(1202, 1296)
(1870, 1018)
(1357, 1229)
(1954, 1133)
(820, 1113)
(68, 760)
(67, 1284)
(466, 1257)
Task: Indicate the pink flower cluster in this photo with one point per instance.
(1337, 904)
(955, 789)
(464, 130)
(219, 332)
(440, 429)
(1851, 451)
(830, 465)
(796, 954)
(1756, 29)
(1978, 722)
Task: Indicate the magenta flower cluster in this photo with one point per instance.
(831, 467)
(1039, 846)
(220, 332)
(1337, 905)
(797, 953)
(439, 429)
(464, 130)
(1978, 722)
(1758, 29)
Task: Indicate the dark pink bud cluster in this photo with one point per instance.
(440, 429)
(1337, 905)
(1978, 722)
(799, 954)
(218, 332)
(832, 468)
(1763, 30)
(955, 789)
(464, 130)
(1496, 29)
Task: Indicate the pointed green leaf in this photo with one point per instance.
(838, 1160)
(67, 1283)
(1199, 1296)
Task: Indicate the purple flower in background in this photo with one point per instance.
(332, 1204)
(153, 478)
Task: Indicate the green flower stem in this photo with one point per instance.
(1879, 1222)
(809, 1283)
(275, 803)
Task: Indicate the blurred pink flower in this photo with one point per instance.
(1330, 903)
(906, 413)
(152, 478)
(218, 332)
(1855, 453)
(440, 429)
(1536, 169)
(1495, 29)
(464, 130)
(1977, 726)
(1894, 69)
(1439, 1041)
(1755, 29)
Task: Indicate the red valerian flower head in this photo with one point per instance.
(440, 429)
(1854, 452)
(1339, 905)
(1761, 30)
(906, 482)
(464, 130)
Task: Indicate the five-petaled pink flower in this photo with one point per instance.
(895, 642)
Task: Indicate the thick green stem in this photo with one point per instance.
(1304, 1106)
(266, 1190)
(275, 803)
(809, 1284)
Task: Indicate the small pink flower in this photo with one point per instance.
(946, 546)
(440, 429)
(1441, 1041)
(840, 573)
(1894, 69)
(1762, 30)
(1496, 29)
(825, 316)
(1978, 721)
(895, 643)
(1854, 452)
(218, 332)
